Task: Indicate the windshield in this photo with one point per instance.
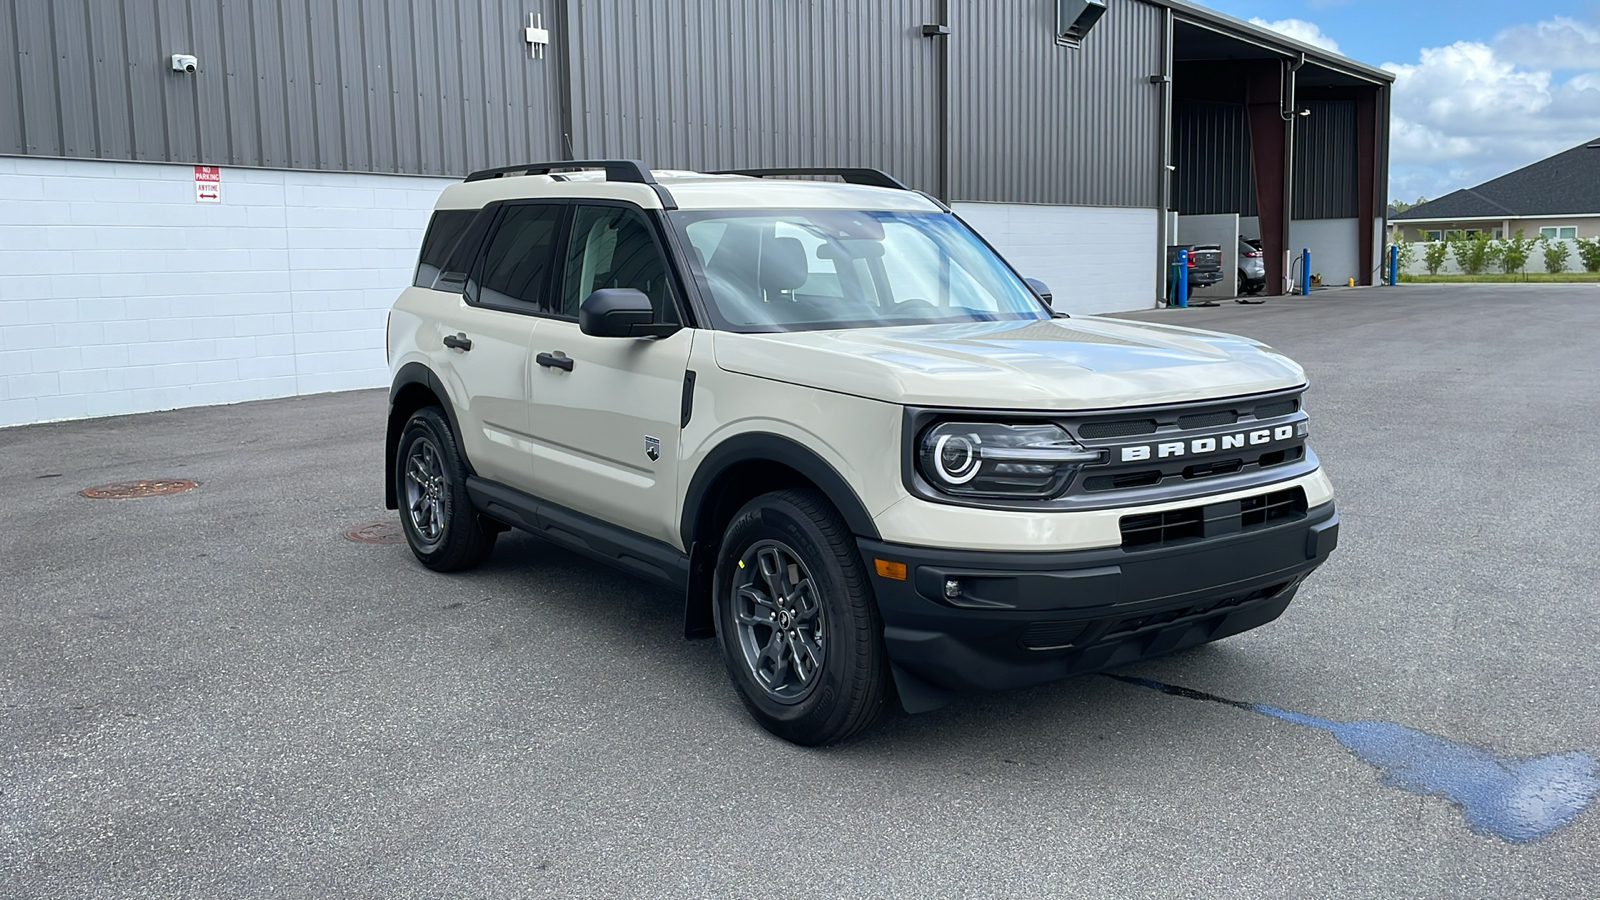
(810, 269)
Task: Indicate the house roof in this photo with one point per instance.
(1565, 184)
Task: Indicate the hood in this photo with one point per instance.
(1056, 364)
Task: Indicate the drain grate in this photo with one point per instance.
(143, 487)
(377, 533)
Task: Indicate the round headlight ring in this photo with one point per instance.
(970, 461)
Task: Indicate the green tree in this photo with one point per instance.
(1496, 256)
(1556, 254)
(1433, 255)
(1589, 253)
(1515, 256)
(1471, 254)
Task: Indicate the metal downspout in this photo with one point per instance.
(1163, 238)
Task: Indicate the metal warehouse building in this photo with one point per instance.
(208, 201)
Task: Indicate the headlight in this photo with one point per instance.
(991, 459)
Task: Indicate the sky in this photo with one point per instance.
(1481, 88)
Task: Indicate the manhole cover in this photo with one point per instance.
(144, 487)
(377, 533)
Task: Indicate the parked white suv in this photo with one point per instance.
(870, 457)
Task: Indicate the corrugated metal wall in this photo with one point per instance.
(447, 86)
(418, 86)
(1211, 154)
(712, 84)
(1036, 123)
(1325, 170)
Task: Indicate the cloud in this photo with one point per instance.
(1472, 111)
(1559, 43)
(1300, 30)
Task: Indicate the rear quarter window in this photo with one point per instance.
(444, 232)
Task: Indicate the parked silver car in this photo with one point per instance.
(1252, 267)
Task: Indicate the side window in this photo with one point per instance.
(444, 230)
(516, 265)
(612, 247)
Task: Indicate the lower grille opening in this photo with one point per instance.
(1151, 529)
(1051, 635)
(1274, 507)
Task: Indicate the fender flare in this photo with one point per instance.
(409, 374)
(762, 446)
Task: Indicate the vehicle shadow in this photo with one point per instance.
(1069, 722)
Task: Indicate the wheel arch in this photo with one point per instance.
(736, 471)
(415, 386)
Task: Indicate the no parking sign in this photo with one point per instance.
(207, 184)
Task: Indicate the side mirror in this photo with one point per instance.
(620, 312)
(1042, 290)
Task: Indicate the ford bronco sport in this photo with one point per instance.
(868, 454)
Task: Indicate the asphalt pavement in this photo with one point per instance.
(218, 694)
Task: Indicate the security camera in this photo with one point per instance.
(183, 62)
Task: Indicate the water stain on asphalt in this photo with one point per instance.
(1519, 799)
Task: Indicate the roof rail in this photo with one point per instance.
(873, 177)
(630, 171)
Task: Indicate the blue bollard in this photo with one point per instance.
(1394, 264)
(1182, 300)
(1305, 271)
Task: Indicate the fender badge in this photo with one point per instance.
(652, 448)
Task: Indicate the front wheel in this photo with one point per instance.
(444, 530)
(797, 622)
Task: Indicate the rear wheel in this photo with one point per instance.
(444, 530)
(797, 622)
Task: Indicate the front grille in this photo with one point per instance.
(1097, 430)
(1209, 420)
(1176, 526)
(1156, 529)
(1277, 408)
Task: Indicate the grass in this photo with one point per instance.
(1499, 278)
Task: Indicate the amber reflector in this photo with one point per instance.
(888, 569)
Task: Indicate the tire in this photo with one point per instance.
(768, 622)
(444, 530)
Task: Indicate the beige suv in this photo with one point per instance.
(866, 451)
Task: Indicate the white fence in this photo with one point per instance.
(1419, 263)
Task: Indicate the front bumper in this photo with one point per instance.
(1025, 618)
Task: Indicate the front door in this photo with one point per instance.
(606, 411)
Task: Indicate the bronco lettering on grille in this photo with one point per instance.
(1198, 446)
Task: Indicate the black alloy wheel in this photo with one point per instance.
(443, 529)
(797, 621)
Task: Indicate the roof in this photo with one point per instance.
(689, 190)
(1565, 184)
(1276, 41)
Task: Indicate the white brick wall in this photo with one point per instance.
(1095, 259)
(119, 293)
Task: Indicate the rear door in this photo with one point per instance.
(484, 339)
(606, 412)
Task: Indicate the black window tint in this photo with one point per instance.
(612, 247)
(444, 230)
(516, 267)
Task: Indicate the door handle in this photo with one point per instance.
(458, 341)
(556, 360)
